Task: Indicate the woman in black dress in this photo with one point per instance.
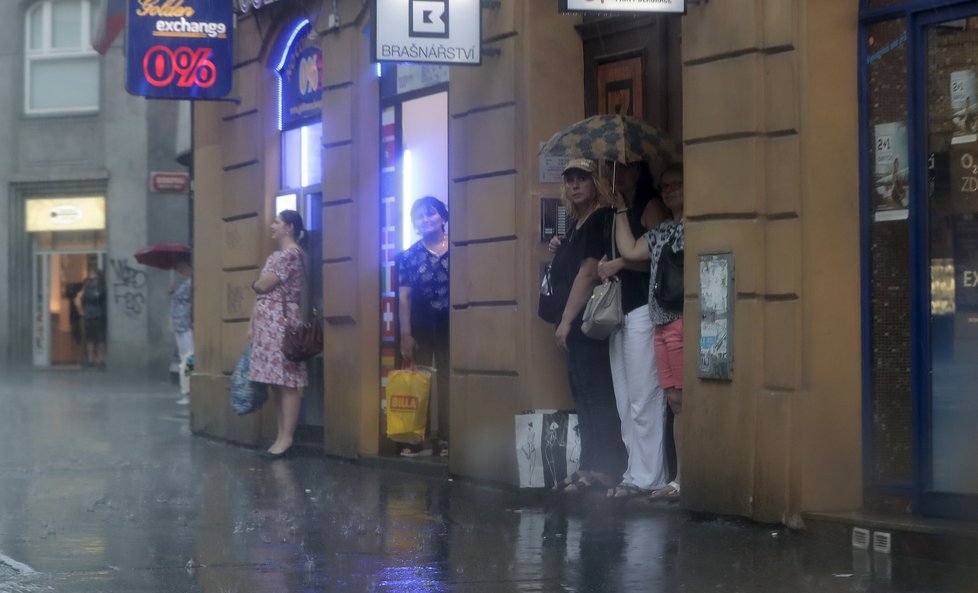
(574, 272)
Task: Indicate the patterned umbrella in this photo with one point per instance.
(619, 138)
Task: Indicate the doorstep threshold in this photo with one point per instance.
(897, 522)
(940, 540)
(432, 467)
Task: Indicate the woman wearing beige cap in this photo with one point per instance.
(574, 273)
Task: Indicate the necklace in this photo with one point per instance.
(438, 248)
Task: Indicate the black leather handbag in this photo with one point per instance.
(551, 307)
(668, 288)
(304, 339)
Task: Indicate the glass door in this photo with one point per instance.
(947, 117)
(41, 336)
(61, 264)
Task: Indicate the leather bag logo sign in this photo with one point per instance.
(428, 18)
(427, 31)
(179, 49)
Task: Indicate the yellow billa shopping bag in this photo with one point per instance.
(408, 391)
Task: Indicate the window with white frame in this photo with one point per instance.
(61, 70)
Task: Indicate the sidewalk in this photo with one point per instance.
(103, 489)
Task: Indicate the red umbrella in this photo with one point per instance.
(162, 255)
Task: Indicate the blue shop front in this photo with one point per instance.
(919, 189)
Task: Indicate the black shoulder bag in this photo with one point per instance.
(553, 295)
(668, 288)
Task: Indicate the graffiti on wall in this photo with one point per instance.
(128, 287)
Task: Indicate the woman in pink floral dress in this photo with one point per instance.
(278, 290)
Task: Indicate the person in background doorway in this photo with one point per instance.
(92, 303)
(75, 315)
(278, 289)
(575, 265)
(641, 401)
(422, 280)
(182, 319)
(668, 337)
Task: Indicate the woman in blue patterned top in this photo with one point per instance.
(422, 279)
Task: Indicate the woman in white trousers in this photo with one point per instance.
(641, 401)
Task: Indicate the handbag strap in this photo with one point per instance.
(614, 236)
(303, 294)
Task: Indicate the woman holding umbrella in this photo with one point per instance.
(176, 256)
(575, 264)
(641, 401)
(182, 319)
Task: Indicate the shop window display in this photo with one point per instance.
(952, 210)
(886, 51)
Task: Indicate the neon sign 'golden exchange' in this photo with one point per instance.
(179, 49)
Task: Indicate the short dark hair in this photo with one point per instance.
(430, 203)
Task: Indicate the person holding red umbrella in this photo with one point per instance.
(182, 319)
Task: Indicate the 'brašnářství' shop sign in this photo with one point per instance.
(669, 6)
(179, 49)
(428, 31)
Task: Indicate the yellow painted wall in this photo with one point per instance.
(772, 176)
(503, 357)
(351, 231)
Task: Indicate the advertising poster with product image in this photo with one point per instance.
(891, 170)
(964, 107)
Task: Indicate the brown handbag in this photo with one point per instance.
(304, 339)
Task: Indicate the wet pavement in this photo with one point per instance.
(103, 489)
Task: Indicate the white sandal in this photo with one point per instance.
(668, 492)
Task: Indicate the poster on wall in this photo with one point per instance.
(179, 50)
(964, 107)
(890, 171)
(413, 77)
(656, 6)
(963, 167)
(716, 281)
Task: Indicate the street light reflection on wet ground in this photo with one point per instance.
(103, 489)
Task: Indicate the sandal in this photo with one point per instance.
(582, 486)
(668, 492)
(415, 451)
(626, 490)
(570, 480)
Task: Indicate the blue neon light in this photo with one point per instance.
(300, 26)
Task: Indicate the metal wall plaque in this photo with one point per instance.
(716, 290)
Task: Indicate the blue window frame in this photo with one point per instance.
(917, 16)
